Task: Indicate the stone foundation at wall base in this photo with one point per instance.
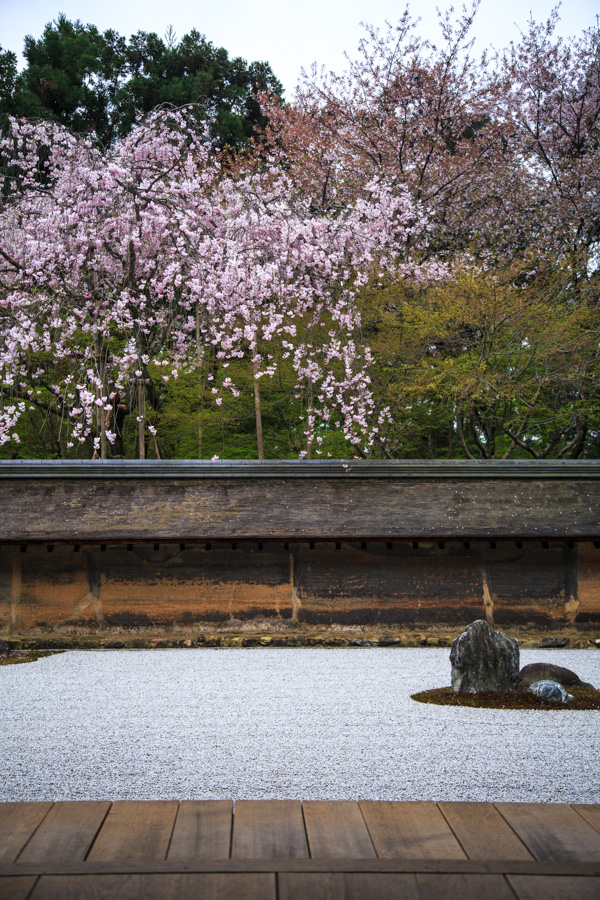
(266, 636)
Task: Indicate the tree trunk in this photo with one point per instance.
(259, 429)
(461, 434)
(114, 422)
(431, 443)
(156, 447)
(309, 418)
(141, 418)
(100, 392)
(101, 423)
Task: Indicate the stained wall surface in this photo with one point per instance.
(165, 587)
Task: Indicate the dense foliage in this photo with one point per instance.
(404, 262)
(100, 83)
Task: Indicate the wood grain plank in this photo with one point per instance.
(135, 829)
(351, 886)
(267, 829)
(482, 832)
(465, 887)
(552, 830)
(336, 830)
(410, 830)
(17, 887)
(554, 887)
(66, 833)
(202, 830)
(18, 821)
(344, 866)
(217, 886)
(358, 886)
(590, 812)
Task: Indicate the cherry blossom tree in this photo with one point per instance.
(122, 264)
(501, 151)
(95, 271)
(283, 272)
(121, 268)
(552, 97)
(420, 115)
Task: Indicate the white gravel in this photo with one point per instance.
(279, 723)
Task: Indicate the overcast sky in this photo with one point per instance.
(288, 35)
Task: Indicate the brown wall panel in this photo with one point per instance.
(142, 587)
(530, 576)
(588, 584)
(374, 586)
(316, 542)
(120, 590)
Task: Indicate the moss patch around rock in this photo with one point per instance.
(583, 698)
(25, 656)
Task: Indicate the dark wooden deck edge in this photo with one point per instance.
(345, 866)
(568, 470)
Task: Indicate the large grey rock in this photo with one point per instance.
(550, 690)
(484, 660)
(543, 671)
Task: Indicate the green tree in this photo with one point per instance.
(8, 83)
(194, 71)
(100, 83)
(72, 76)
(488, 364)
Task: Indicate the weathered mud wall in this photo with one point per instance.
(93, 547)
(169, 589)
(124, 504)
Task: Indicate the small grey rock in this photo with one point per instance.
(484, 660)
(543, 671)
(554, 642)
(550, 690)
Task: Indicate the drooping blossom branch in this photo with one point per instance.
(148, 252)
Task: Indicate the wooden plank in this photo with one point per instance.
(353, 886)
(590, 812)
(467, 887)
(410, 830)
(18, 821)
(482, 832)
(66, 833)
(554, 887)
(552, 830)
(135, 829)
(202, 830)
(381, 866)
(156, 887)
(336, 829)
(17, 887)
(268, 829)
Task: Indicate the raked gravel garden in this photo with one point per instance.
(282, 723)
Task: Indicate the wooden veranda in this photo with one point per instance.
(288, 850)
